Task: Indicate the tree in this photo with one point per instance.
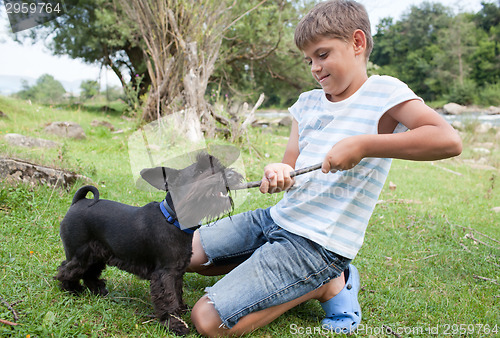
(182, 40)
(485, 62)
(90, 88)
(258, 54)
(45, 90)
(405, 49)
(97, 31)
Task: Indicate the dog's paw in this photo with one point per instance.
(176, 325)
(184, 308)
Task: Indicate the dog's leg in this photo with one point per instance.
(91, 279)
(178, 292)
(164, 294)
(69, 275)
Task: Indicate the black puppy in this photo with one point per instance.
(147, 241)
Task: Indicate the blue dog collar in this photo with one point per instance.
(173, 220)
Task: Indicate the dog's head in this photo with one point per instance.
(199, 191)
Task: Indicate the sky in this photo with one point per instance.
(32, 61)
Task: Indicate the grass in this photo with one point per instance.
(426, 267)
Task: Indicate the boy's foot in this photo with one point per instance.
(343, 313)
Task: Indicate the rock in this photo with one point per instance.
(496, 209)
(482, 151)
(15, 171)
(483, 128)
(458, 125)
(492, 110)
(285, 121)
(66, 129)
(453, 109)
(30, 142)
(106, 124)
(487, 145)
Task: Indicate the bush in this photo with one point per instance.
(489, 95)
(463, 93)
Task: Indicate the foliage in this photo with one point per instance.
(252, 61)
(90, 88)
(440, 54)
(258, 54)
(180, 52)
(96, 31)
(464, 93)
(45, 90)
(489, 95)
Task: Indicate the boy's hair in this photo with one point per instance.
(334, 19)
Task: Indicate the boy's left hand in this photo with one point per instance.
(344, 155)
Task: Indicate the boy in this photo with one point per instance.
(300, 249)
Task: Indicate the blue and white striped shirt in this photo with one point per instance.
(334, 209)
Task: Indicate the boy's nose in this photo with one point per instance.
(315, 67)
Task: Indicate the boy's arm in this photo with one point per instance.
(430, 138)
(277, 175)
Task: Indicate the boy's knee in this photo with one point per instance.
(206, 319)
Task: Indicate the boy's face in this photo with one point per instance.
(338, 66)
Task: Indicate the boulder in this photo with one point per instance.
(15, 171)
(458, 125)
(453, 109)
(105, 124)
(483, 128)
(285, 121)
(30, 142)
(66, 129)
(492, 110)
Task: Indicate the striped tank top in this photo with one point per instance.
(333, 209)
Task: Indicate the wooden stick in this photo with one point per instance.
(11, 309)
(494, 281)
(255, 184)
(6, 322)
(471, 229)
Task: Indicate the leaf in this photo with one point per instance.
(49, 319)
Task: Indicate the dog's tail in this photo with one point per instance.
(82, 192)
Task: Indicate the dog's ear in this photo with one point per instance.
(158, 176)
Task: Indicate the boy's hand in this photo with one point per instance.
(344, 155)
(276, 178)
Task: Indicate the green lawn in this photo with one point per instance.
(430, 265)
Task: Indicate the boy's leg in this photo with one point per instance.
(284, 271)
(207, 321)
(199, 261)
(228, 241)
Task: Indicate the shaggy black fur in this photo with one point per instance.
(97, 232)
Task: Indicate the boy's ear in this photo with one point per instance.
(359, 41)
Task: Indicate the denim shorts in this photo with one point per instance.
(275, 265)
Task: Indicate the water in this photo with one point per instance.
(494, 120)
(464, 118)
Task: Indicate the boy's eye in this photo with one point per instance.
(323, 55)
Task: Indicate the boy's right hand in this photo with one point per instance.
(276, 178)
